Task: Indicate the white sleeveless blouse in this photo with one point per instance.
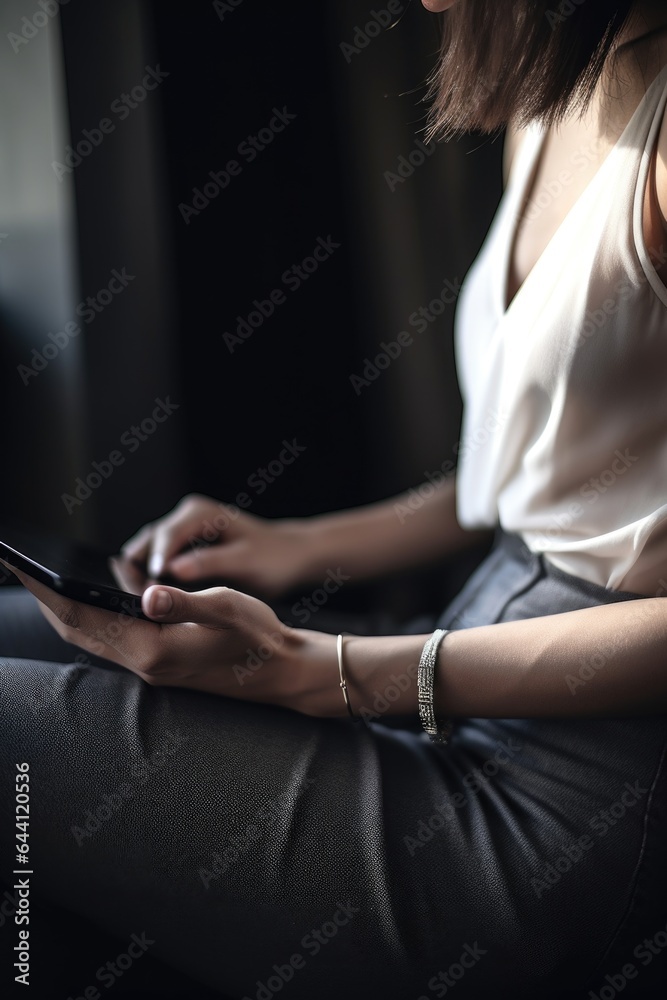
(565, 420)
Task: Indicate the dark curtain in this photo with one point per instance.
(295, 251)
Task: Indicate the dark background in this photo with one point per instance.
(63, 232)
(356, 114)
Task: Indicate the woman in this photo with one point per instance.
(269, 848)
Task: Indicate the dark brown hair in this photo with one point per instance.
(518, 60)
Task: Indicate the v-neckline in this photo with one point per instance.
(518, 205)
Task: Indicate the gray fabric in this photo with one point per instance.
(416, 861)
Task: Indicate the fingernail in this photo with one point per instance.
(161, 603)
(155, 564)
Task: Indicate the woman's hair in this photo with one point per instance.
(519, 60)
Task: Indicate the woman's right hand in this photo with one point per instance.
(203, 539)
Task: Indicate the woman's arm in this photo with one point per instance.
(407, 530)
(604, 661)
(269, 556)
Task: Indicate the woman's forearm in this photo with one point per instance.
(407, 530)
(604, 661)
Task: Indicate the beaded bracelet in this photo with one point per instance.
(439, 730)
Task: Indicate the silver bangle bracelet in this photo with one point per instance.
(439, 730)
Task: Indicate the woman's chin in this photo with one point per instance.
(435, 6)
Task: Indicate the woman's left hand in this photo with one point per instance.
(219, 640)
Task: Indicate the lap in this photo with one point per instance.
(236, 836)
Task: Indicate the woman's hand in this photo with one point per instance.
(217, 640)
(203, 539)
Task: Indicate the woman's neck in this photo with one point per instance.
(646, 18)
(638, 56)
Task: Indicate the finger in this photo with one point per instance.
(172, 533)
(137, 546)
(91, 645)
(209, 561)
(215, 607)
(128, 575)
(121, 638)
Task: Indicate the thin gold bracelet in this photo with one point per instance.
(341, 672)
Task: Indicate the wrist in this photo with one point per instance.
(317, 544)
(353, 539)
(380, 671)
(311, 664)
(304, 544)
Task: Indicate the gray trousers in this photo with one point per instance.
(260, 852)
